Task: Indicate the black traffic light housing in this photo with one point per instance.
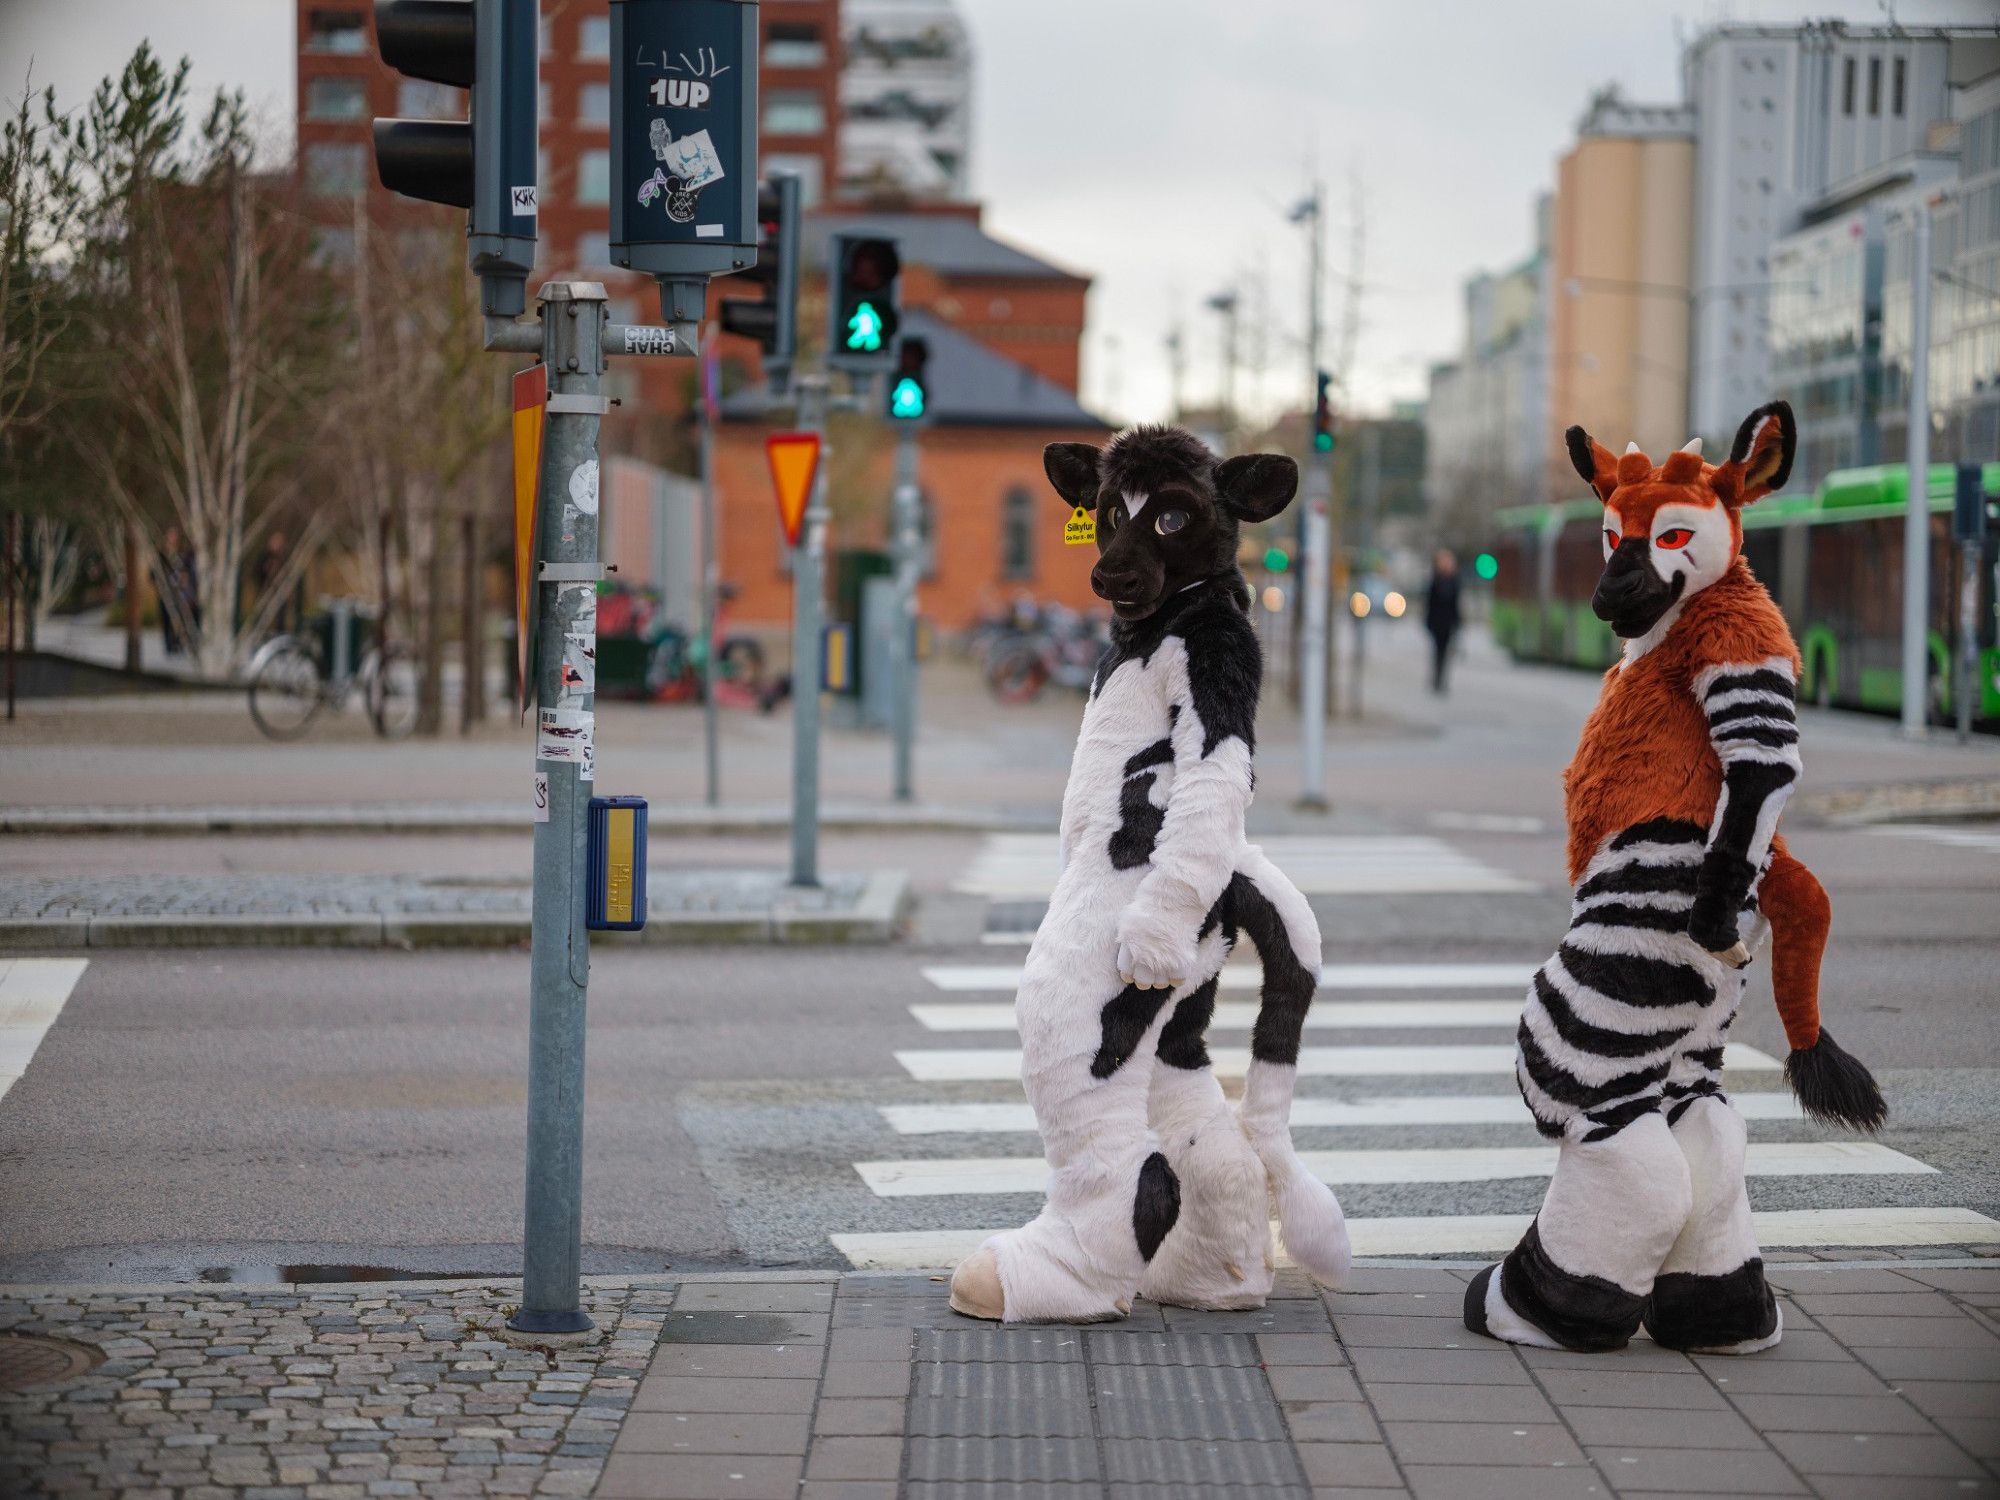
(863, 304)
(771, 319)
(1323, 413)
(909, 386)
(486, 164)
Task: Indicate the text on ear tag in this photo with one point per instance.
(1080, 530)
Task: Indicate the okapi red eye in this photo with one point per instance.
(1680, 536)
(1611, 539)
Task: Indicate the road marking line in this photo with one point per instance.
(1239, 1015)
(1017, 866)
(1961, 838)
(1006, 978)
(996, 1065)
(33, 992)
(1416, 1109)
(953, 1177)
(1490, 1234)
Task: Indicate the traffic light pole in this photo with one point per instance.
(903, 634)
(1917, 497)
(566, 570)
(1312, 657)
(807, 588)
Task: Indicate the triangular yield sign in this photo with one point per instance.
(794, 459)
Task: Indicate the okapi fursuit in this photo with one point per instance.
(1157, 1186)
(1679, 873)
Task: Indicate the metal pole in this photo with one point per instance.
(1917, 509)
(552, 1252)
(711, 583)
(903, 633)
(1968, 685)
(806, 588)
(1312, 661)
(13, 592)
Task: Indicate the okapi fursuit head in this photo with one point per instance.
(1679, 872)
(1157, 1186)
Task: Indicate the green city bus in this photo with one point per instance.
(1832, 559)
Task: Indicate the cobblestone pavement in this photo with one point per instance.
(851, 1387)
(319, 1393)
(746, 892)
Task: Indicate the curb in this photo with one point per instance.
(489, 817)
(1957, 798)
(873, 919)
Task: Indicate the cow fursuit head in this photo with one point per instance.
(1671, 531)
(1168, 510)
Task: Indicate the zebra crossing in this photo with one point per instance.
(1420, 1050)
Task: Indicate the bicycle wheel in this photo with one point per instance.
(742, 660)
(286, 688)
(1018, 676)
(392, 692)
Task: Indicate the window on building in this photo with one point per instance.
(1847, 88)
(593, 105)
(1896, 88)
(1874, 85)
(593, 177)
(793, 44)
(593, 36)
(419, 99)
(335, 169)
(1017, 535)
(342, 31)
(794, 112)
(336, 98)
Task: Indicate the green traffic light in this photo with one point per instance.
(864, 328)
(1323, 442)
(907, 399)
(1487, 566)
(1277, 560)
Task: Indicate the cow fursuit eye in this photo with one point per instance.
(1170, 521)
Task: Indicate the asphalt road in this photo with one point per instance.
(191, 1112)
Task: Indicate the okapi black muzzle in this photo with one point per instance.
(1631, 596)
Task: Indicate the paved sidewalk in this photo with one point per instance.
(828, 1387)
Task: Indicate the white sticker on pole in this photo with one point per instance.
(583, 487)
(582, 597)
(541, 796)
(579, 666)
(564, 735)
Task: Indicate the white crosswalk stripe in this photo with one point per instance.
(1024, 866)
(997, 1065)
(1439, 1028)
(33, 992)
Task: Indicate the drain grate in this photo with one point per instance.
(27, 1359)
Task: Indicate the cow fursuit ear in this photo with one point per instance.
(1594, 463)
(1760, 460)
(1072, 469)
(1256, 486)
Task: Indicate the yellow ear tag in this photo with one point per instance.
(1080, 530)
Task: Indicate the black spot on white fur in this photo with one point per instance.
(1156, 1206)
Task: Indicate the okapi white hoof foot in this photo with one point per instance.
(975, 1287)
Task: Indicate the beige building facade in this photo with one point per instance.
(1622, 246)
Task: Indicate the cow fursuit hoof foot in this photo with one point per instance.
(976, 1292)
(975, 1287)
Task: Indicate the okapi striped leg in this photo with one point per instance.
(1710, 1296)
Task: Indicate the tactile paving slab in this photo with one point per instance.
(1120, 1348)
(1217, 1467)
(1172, 1401)
(1018, 1460)
(1013, 1345)
(1026, 1399)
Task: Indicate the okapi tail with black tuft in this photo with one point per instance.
(1832, 1085)
(1309, 1217)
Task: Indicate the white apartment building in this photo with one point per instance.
(905, 100)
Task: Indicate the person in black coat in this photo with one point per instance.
(1441, 615)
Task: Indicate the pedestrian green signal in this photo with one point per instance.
(907, 399)
(864, 328)
(1277, 560)
(1323, 442)
(1487, 566)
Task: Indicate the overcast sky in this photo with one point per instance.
(1156, 144)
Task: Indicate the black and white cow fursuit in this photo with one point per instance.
(1158, 1186)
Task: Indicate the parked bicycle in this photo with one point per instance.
(293, 678)
(1058, 645)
